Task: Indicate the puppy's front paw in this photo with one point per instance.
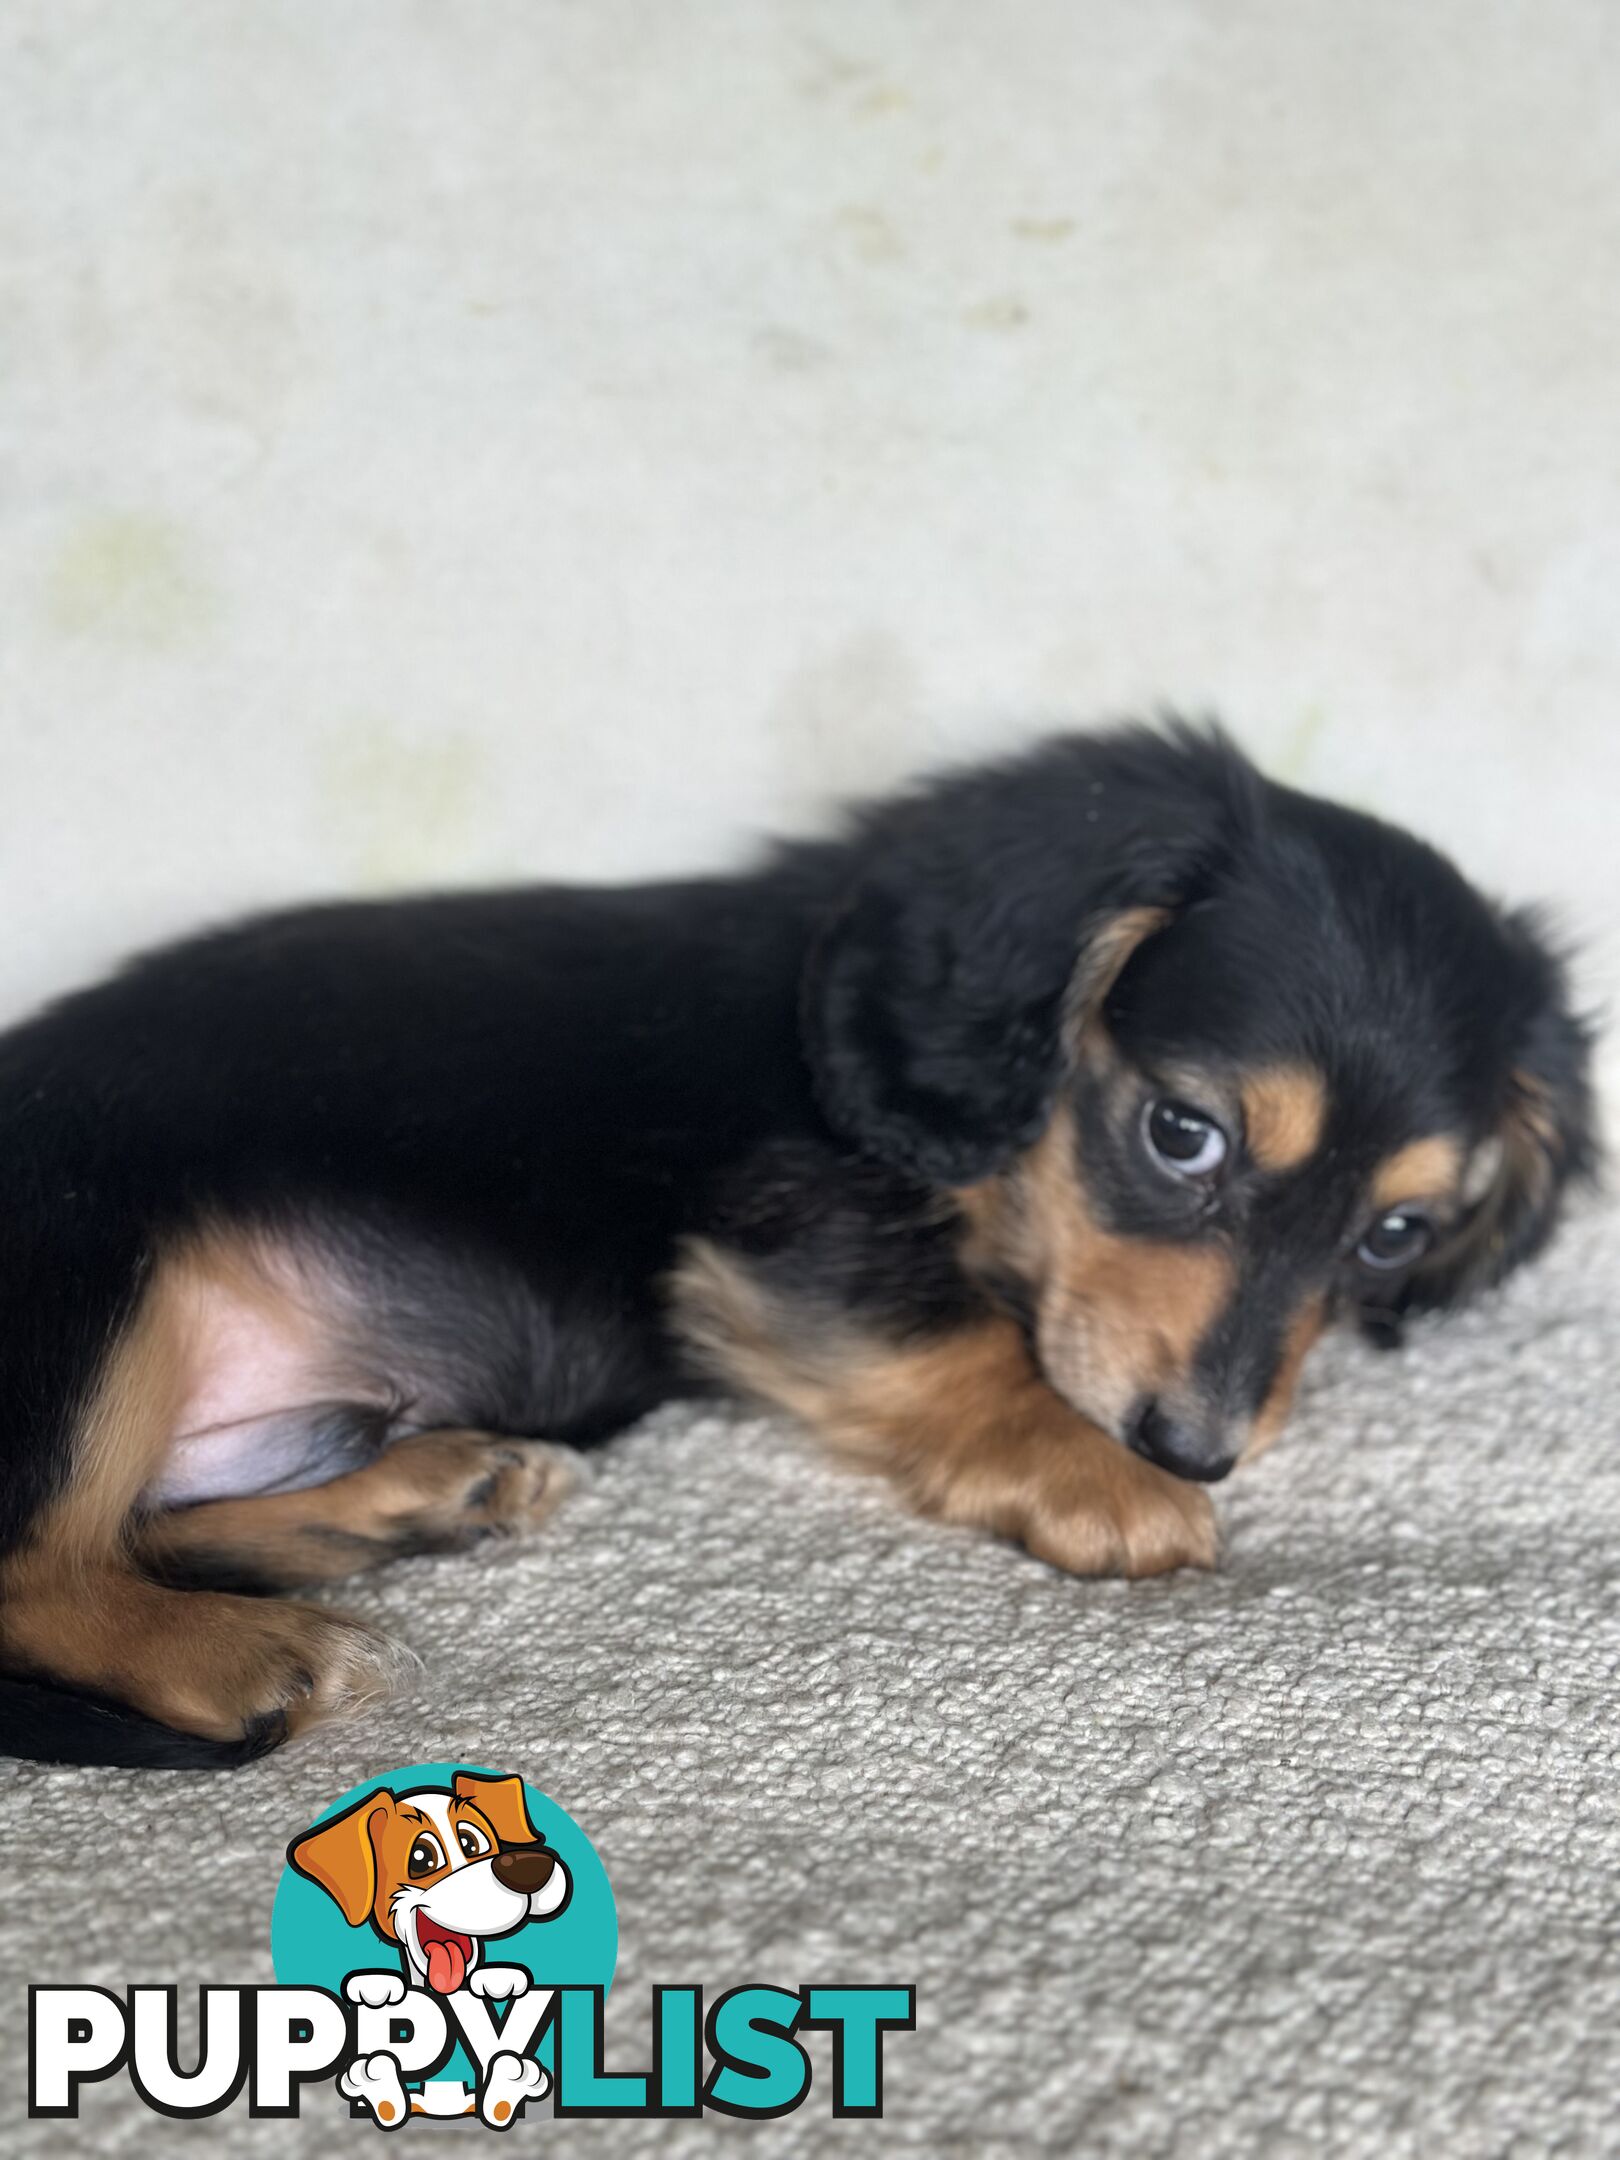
(1136, 1521)
(496, 1982)
(375, 1989)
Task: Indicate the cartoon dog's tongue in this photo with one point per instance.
(446, 1953)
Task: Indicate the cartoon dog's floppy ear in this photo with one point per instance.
(985, 911)
(341, 1855)
(1545, 1139)
(501, 1799)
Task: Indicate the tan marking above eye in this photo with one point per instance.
(1424, 1169)
(1284, 1115)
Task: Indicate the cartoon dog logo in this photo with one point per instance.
(438, 1873)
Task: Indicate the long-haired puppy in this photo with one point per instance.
(1021, 1140)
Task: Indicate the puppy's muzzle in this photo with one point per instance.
(523, 1868)
(1186, 1450)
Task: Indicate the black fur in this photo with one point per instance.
(52, 1724)
(934, 995)
(501, 1113)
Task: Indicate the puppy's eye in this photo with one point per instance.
(1396, 1240)
(426, 1856)
(1185, 1142)
(472, 1841)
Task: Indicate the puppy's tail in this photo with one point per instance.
(47, 1724)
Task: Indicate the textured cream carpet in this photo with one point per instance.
(1317, 1855)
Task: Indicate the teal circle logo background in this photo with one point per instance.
(312, 1945)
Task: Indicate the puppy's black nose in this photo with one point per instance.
(524, 1868)
(1182, 1449)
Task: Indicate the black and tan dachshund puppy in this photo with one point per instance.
(1022, 1140)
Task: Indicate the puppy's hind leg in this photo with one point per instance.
(436, 1492)
(85, 1636)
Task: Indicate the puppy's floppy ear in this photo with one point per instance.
(341, 1856)
(501, 1799)
(1545, 1138)
(985, 912)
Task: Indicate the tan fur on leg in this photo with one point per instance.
(964, 1425)
(75, 1609)
(219, 1666)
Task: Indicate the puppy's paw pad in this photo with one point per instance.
(512, 2079)
(525, 1482)
(454, 1490)
(375, 2082)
